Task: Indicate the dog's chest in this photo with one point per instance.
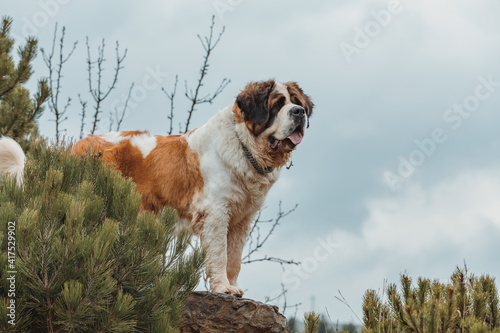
(237, 195)
(231, 186)
(247, 196)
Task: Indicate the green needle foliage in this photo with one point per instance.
(311, 322)
(18, 112)
(87, 259)
(466, 304)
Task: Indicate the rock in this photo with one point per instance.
(219, 313)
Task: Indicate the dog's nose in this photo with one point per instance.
(297, 111)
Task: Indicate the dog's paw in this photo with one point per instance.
(228, 289)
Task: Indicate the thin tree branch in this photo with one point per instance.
(119, 119)
(97, 93)
(255, 242)
(171, 97)
(208, 45)
(273, 259)
(84, 107)
(55, 76)
(282, 296)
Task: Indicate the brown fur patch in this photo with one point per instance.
(92, 144)
(271, 158)
(274, 98)
(252, 105)
(238, 114)
(133, 133)
(176, 171)
(127, 159)
(169, 176)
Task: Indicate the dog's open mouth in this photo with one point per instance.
(292, 140)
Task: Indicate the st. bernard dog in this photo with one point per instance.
(217, 176)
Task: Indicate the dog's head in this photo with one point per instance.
(276, 116)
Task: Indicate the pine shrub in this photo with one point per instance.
(18, 111)
(466, 304)
(87, 259)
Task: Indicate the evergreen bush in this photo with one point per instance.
(87, 259)
(466, 304)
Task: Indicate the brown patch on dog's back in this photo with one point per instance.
(92, 144)
(133, 133)
(175, 172)
(169, 175)
(127, 159)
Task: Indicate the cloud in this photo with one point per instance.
(456, 213)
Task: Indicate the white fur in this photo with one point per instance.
(281, 88)
(233, 193)
(145, 142)
(12, 159)
(113, 137)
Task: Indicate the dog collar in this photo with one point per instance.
(249, 156)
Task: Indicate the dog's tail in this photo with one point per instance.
(12, 159)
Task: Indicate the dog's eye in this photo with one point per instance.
(279, 104)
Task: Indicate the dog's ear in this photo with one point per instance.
(309, 105)
(252, 102)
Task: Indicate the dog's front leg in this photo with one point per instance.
(214, 242)
(236, 239)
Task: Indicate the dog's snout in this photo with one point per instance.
(297, 111)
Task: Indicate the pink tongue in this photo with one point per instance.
(295, 137)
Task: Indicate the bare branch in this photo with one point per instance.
(267, 299)
(208, 45)
(222, 86)
(282, 296)
(119, 119)
(55, 76)
(272, 259)
(84, 107)
(97, 93)
(255, 242)
(209, 98)
(202, 42)
(171, 97)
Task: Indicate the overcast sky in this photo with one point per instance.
(400, 168)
